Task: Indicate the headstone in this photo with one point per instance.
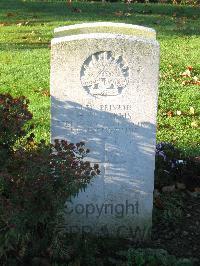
(104, 79)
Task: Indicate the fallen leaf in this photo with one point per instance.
(190, 68)
(119, 13)
(194, 124)
(10, 15)
(186, 73)
(158, 203)
(191, 82)
(195, 81)
(46, 93)
(168, 188)
(191, 110)
(197, 159)
(169, 113)
(180, 186)
(127, 14)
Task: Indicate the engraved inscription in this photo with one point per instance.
(103, 74)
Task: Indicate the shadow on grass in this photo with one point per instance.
(60, 8)
(23, 46)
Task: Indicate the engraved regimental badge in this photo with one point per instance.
(103, 74)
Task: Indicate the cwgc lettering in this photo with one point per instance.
(104, 79)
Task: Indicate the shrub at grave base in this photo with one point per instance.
(14, 115)
(169, 165)
(34, 184)
(154, 257)
(172, 167)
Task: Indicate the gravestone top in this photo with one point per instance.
(106, 27)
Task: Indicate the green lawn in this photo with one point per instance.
(26, 28)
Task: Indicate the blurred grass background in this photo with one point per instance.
(26, 29)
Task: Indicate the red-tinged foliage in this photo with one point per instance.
(14, 115)
(190, 77)
(35, 181)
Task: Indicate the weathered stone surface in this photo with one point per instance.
(105, 27)
(104, 92)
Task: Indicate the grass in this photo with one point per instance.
(26, 30)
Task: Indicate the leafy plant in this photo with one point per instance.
(154, 257)
(14, 115)
(35, 182)
(172, 211)
(169, 164)
(171, 167)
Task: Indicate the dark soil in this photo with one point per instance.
(182, 239)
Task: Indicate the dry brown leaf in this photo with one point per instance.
(46, 93)
(189, 68)
(170, 113)
(118, 13)
(10, 15)
(158, 203)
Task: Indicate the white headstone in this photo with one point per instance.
(104, 79)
